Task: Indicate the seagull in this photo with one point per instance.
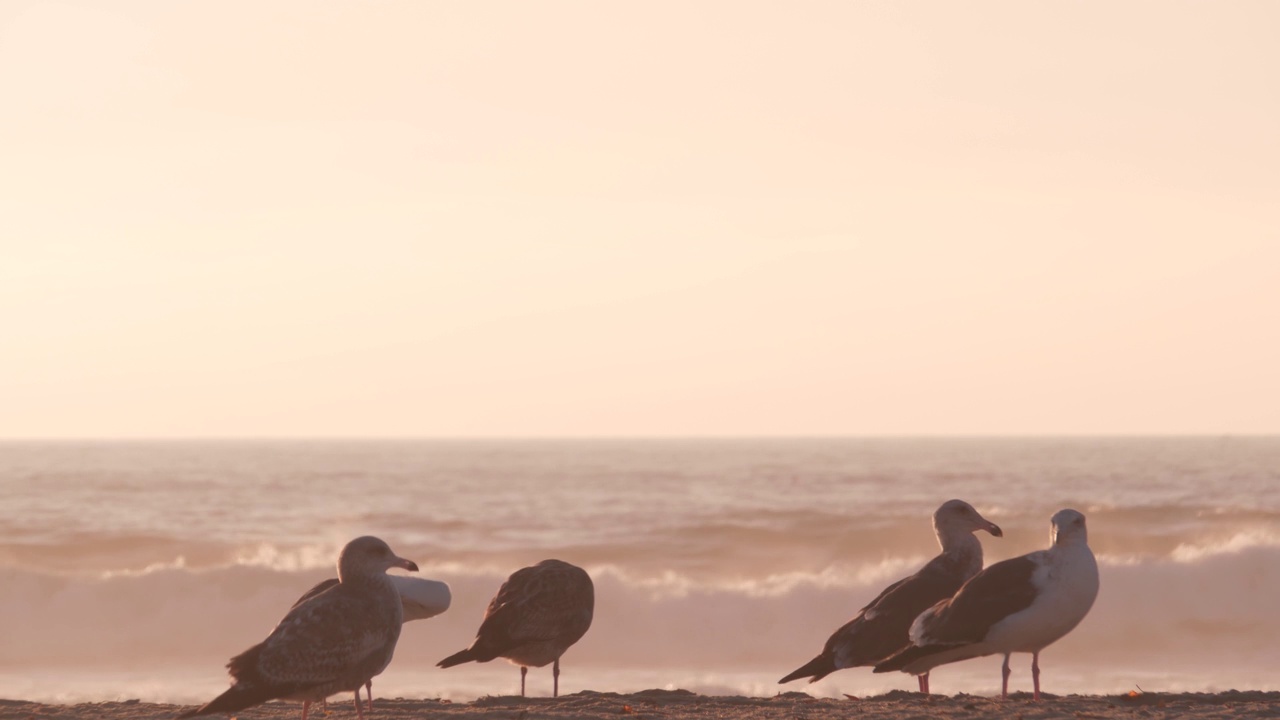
(880, 628)
(421, 599)
(537, 614)
(334, 642)
(1023, 604)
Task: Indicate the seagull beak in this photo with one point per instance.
(409, 565)
(994, 529)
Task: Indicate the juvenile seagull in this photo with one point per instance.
(537, 614)
(336, 641)
(421, 599)
(880, 629)
(1019, 605)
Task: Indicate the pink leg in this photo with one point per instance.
(368, 686)
(924, 683)
(523, 671)
(359, 712)
(1004, 670)
(555, 678)
(306, 704)
(1035, 673)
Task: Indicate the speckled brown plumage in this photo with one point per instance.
(333, 642)
(538, 613)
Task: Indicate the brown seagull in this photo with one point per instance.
(334, 642)
(421, 598)
(537, 614)
(880, 629)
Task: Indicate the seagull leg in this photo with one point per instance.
(523, 671)
(1004, 670)
(359, 712)
(1035, 673)
(555, 678)
(924, 683)
(368, 686)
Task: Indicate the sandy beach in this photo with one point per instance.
(684, 705)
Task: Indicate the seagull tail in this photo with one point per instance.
(237, 697)
(458, 658)
(904, 657)
(815, 669)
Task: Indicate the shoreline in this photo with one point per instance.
(685, 705)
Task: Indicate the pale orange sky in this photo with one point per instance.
(662, 218)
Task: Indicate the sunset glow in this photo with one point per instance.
(294, 219)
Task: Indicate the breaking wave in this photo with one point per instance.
(1205, 608)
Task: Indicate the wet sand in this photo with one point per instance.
(684, 705)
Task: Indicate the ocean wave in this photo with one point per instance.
(1234, 544)
(762, 552)
(178, 563)
(844, 576)
(287, 559)
(1213, 605)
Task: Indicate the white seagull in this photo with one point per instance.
(1023, 604)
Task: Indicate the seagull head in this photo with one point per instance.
(369, 555)
(1068, 526)
(957, 516)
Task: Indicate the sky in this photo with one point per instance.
(512, 219)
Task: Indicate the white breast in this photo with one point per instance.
(1068, 585)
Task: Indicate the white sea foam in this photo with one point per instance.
(297, 559)
(1238, 542)
(1220, 600)
(178, 563)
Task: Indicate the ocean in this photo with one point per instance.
(136, 569)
